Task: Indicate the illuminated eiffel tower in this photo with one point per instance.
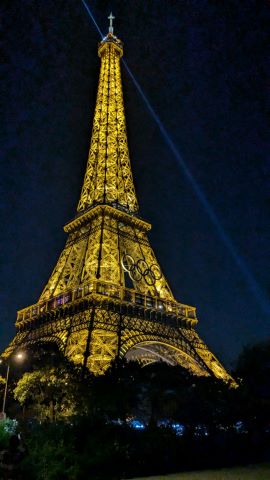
(107, 297)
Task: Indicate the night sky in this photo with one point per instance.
(203, 66)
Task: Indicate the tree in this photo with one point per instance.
(2, 383)
(52, 392)
(115, 394)
(253, 371)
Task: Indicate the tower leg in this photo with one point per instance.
(119, 336)
(88, 341)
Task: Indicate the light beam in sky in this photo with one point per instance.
(92, 18)
(251, 281)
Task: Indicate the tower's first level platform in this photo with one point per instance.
(178, 313)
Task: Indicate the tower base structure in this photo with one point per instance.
(100, 322)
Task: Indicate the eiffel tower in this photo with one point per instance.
(107, 296)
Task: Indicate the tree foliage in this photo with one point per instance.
(253, 371)
(50, 390)
(54, 388)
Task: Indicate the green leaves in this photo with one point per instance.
(51, 392)
(8, 427)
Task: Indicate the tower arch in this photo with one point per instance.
(154, 348)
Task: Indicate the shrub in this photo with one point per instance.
(8, 427)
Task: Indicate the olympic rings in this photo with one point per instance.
(149, 277)
(135, 274)
(127, 262)
(142, 266)
(139, 269)
(156, 271)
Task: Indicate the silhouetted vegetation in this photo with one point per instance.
(136, 421)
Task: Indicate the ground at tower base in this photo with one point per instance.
(252, 472)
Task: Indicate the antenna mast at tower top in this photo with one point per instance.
(111, 18)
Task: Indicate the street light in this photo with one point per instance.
(19, 356)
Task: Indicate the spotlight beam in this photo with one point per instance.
(251, 282)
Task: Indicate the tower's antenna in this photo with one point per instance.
(111, 18)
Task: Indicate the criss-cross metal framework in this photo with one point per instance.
(107, 296)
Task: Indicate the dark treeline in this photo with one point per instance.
(136, 421)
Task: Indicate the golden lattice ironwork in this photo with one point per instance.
(107, 296)
(108, 177)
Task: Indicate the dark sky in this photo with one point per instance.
(204, 68)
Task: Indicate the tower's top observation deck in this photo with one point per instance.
(110, 39)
